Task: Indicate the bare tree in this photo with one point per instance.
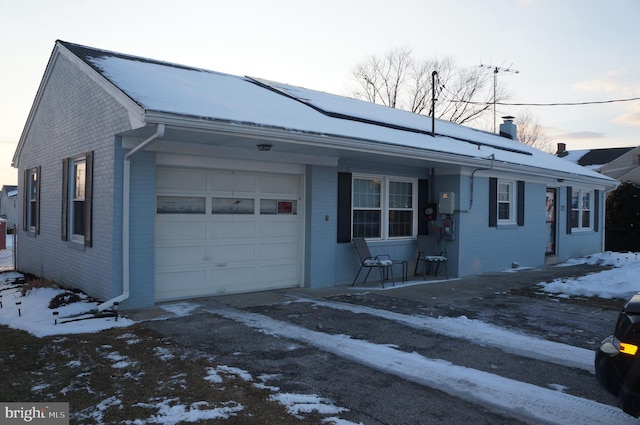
(398, 80)
(531, 132)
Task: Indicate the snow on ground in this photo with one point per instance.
(480, 333)
(519, 398)
(32, 314)
(622, 281)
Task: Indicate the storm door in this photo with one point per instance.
(550, 217)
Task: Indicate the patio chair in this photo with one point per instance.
(430, 253)
(382, 262)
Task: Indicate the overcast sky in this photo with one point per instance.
(564, 50)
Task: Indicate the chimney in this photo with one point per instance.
(508, 129)
(562, 150)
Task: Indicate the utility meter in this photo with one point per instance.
(447, 203)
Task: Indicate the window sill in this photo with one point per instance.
(76, 245)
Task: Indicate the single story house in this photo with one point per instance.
(8, 197)
(144, 181)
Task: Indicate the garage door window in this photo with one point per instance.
(180, 205)
(232, 206)
(275, 206)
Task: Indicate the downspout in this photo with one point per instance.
(493, 158)
(126, 188)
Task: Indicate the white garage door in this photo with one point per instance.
(226, 232)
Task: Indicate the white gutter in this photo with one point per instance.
(126, 188)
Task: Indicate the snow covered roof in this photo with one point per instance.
(194, 93)
(595, 158)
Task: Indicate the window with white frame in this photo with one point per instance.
(506, 201)
(77, 177)
(32, 198)
(383, 207)
(581, 209)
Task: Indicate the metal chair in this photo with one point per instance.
(382, 262)
(430, 253)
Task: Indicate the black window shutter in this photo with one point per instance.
(25, 203)
(65, 200)
(493, 202)
(88, 199)
(344, 207)
(520, 212)
(423, 200)
(569, 194)
(596, 210)
(38, 179)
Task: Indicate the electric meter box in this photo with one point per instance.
(446, 202)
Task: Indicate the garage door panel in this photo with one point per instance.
(180, 255)
(172, 178)
(279, 184)
(277, 274)
(180, 285)
(233, 279)
(277, 251)
(234, 182)
(233, 229)
(174, 230)
(233, 253)
(278, 229)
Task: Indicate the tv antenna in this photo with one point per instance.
(497, 69)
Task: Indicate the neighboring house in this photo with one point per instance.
(625, 168)
(145, 181)
(622, 164)
(8, 198)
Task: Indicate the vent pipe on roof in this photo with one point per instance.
(508, 128)
(126, 187)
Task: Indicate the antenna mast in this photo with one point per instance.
(497, 69)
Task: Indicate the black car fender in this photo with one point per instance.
(628, 397)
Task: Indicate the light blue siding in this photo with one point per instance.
(142, 230)
(579, 242)
(321, 226)
(485, 248)
(73, 117)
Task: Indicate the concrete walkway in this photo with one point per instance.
(426, 292)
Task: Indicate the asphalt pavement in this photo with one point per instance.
(372, 396)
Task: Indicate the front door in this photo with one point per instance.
(550, 217)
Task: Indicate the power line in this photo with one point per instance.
(591, 102)
(594, 102)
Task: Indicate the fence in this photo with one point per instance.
(8, 255)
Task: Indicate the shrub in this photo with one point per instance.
(623, 219)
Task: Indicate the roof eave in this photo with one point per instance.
(241, 129)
